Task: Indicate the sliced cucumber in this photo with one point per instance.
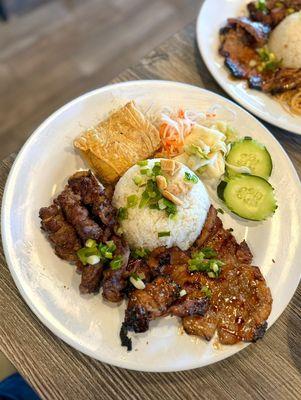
(250, 197)
(249, 153)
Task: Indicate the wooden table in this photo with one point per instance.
(268, 370)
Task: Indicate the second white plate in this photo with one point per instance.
(262, 105)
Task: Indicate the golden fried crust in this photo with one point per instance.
(117, 143)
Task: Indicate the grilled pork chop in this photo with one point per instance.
(240, 301)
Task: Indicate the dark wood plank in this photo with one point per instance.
(269, 370)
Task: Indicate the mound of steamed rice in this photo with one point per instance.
(142, 226)
(285, 41)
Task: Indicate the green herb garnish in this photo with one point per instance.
(142, 163)
(192, 178)
(122, 213)
(138, 180)
(261, 5)
(116, 263)
(163, 234)
(204, 261)
(140, 252)
(207, 291)
(132, 201)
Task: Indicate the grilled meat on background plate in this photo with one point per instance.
(239, 40)
(274, 11)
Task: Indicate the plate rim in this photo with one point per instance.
(9, 187)
(295, 130)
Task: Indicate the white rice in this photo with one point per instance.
(285, 41)
(142, 226)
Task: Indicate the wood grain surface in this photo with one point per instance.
(268, 370)
(64, 48)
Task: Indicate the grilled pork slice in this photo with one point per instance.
(60, 233)
(93, 194)
(240, 305)
(215, 236)
(150, 303)
(78, 216)
(240, 301)
(239, 40)
(275, 11)
(194, 302)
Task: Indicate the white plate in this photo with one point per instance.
(50, 285)
(213, 16)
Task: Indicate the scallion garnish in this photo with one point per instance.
(92, 260)
(204, 261)
(261, 5)
(142, 163)
(132, 201)
(90, 243)
(144, 171)
(163, 234)
(138, 180)
(122, 213)
(140, 252)
(207, 291)
(191, 178)
(116, 263)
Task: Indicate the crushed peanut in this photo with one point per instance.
(174, 199)
(161, 182)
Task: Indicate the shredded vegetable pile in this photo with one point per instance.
(174, 129)
(199, 140)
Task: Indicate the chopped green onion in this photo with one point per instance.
(92, 260)
(144, 199)
(141, 252)
(86, 252)
(209, 252)
(132, 201)
(261, 5)
(108, 255)
(138, 180)
(183, 293)
(137, 281)
(111, 246)
(156, 169)
(122, 213)
(190, 178)
(90, 243)
(163, 234)
(207, 291)
(116, 263)
(142, 163)
(161, 204)
(203, 261)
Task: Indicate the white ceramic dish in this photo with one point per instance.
(260, 104)
(50, 285)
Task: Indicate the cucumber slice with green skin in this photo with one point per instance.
(249, 153)
(251, 197)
